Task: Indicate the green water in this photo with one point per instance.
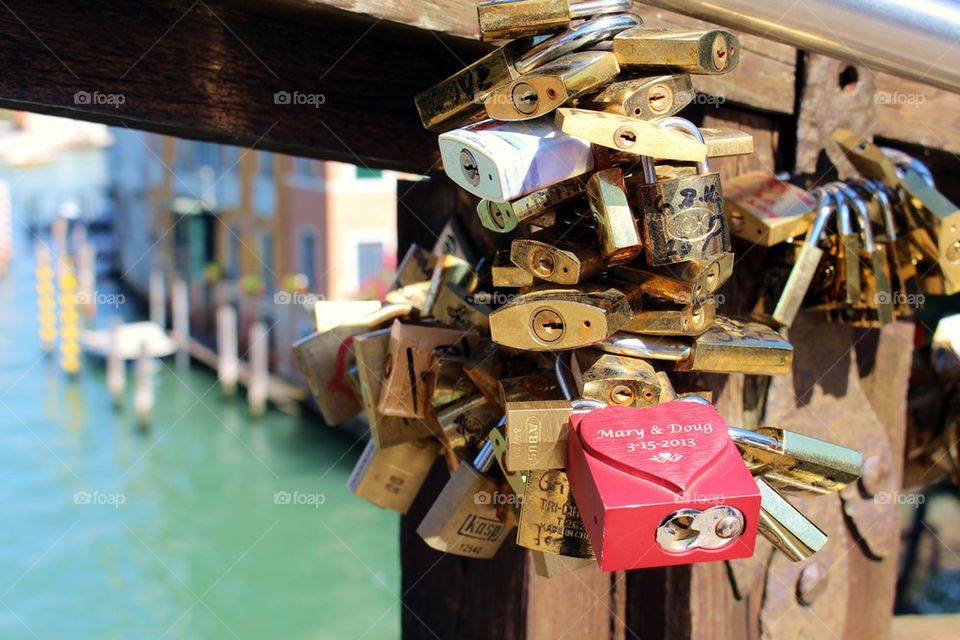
(199, 548)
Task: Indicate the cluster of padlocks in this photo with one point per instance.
(541, 373)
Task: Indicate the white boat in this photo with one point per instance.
(129, 338)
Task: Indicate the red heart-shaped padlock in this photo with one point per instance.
(671, 444)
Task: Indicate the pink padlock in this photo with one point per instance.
(662, 485)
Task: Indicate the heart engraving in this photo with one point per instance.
(671, 444)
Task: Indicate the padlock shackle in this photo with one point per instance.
(640, 346)
(589, 8)
(583, 35)
(879, 192)
(561, 372)
(844, 225)
(485, 458)
(863, 217)
(824, 211)
(753, 439)
(676, 122)
(904, 162)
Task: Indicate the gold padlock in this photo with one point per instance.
(459, 98)
(449, 383)
(794, 462)
(563, 258)
(405, 390)
(786, 528)
(550, 521)
(539, 92)
(464, 520)
(392, 477)
(325, 356)
(453, 309)
(682, 218)
(551, 318)
(417, 266)
(710, 52)
(665, 285)
(617, 231)
(503, 19)
(486, 368)
(666, 318)
(645, 98)
(465, 424)
(503, 273)
(370, 350)
(450, 270)
(504, 217)
(631, 135)
(729, 346)
(615, 380)
(765, 210)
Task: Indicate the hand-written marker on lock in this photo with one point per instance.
(672, 448)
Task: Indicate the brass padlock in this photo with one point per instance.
(879, 291)
(392, 477)
(405, 390)
(765, 210)
(617, 233)
(942, 218)
(645, 98)
(726, 142)
(325, 356)
(786, 528)
(666, 286)
(850, 247)
(417, 266)
(486, 368)
(867, 158)
(453, 308)
(464, 519)
(729, 346)
(503, 19)
(794, 462)
(538, 417)
(539, 92)
(370, 350)
(503, 273)
(449, 383)
(666, 318)
(712, 272)
(516, 479)
(562, 258)
(549, 519)
(466, 423)
(551, 318)
(631, 135)
(504, 217)
(454, 101)
(682, 218)
(615, 380)
(805, 268)
(450, 270)
(711, 52)
(905, 266)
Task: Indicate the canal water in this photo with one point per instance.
(210, 524)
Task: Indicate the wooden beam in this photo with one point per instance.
(207, 70)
